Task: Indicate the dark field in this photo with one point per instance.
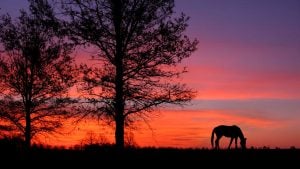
(150, 157)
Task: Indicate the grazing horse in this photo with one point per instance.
(234, 132)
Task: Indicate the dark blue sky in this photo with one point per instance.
(12, 6)
(263, 21)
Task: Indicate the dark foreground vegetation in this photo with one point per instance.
(107, 155)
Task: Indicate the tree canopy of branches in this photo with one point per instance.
(140, 44)
(35, 73)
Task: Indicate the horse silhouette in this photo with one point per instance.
(234, 132)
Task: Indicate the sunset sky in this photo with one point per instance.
(246, 71)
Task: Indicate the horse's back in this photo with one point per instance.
(224, 127)
(227, 131)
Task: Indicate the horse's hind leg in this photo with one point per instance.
(217, 142)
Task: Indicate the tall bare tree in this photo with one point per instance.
(35, 72)
(139, 45)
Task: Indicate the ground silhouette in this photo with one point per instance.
(148, 157)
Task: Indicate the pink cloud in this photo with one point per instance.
(218, 83)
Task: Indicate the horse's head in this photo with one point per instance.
(243, 143)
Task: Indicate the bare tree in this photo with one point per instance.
(35, 72)
(139, 45)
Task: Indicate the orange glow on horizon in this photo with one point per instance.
(181, 128)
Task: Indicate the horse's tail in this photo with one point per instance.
(212, 138)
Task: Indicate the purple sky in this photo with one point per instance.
(248, 62)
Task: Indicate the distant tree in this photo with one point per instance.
(35, 73)
(91, 138)
(139, 45)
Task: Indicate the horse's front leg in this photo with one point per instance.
(235, 139)
(231, 139)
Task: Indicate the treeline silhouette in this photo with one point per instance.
(138, 46)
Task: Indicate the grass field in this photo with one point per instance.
(149, 157)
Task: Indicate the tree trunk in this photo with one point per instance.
(119, 83)
(119, 103)
(28, 129)
(119, 133)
